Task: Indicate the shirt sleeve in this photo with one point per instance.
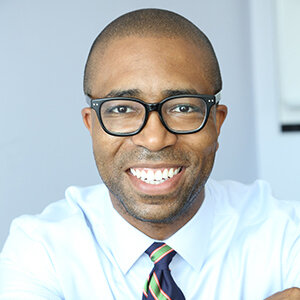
(291, 246)
(26, 269)
(292, 261)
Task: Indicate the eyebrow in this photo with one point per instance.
(170, 93)
(137, 92)
(124, 93)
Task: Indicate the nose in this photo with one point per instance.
(154, 135)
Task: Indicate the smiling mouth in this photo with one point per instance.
(155, 176)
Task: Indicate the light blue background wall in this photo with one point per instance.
(278, 154)
(44, 146)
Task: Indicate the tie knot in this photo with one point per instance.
(160, 253)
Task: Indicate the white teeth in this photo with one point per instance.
(137, 173)
(150, 175)
(165, 174)
(158, 175)
(154, 177)
(143, 174)
(134, 172)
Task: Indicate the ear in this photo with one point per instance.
(221, 113)
(87, 118)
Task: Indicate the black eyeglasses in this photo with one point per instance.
(180, 114)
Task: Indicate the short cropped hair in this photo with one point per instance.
(153, 23)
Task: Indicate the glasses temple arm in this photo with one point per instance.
(88, 100)
(218, 97)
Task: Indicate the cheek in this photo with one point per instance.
(105, 150)
(105, 146)
(203, 143)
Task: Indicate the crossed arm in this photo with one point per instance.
(289, 294)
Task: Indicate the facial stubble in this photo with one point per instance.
(184, 198)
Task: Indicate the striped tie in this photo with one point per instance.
(160, 284)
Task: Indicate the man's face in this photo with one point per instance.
(150, 69)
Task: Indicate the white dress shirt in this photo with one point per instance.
(241, 245)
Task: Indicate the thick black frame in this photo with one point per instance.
(210, 101)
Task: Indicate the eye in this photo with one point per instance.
(184, 108)
(120, 109)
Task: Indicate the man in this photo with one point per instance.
(153, 86)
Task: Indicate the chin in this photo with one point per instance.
(159, 215)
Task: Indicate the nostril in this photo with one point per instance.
(154, 140)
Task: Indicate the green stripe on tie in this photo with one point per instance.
(156, 290)
(146, 286)
(160, 253)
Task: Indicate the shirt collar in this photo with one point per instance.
(128, 243)
(190, 242)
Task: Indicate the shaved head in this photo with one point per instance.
(152, 23)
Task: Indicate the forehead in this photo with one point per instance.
(150, 64)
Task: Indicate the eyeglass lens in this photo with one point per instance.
(184, 114)
(179, 114)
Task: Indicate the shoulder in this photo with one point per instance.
(255, 198)
(253, 208)
(59, 217)
(39, 246)
(233, 189)
(256, 230)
